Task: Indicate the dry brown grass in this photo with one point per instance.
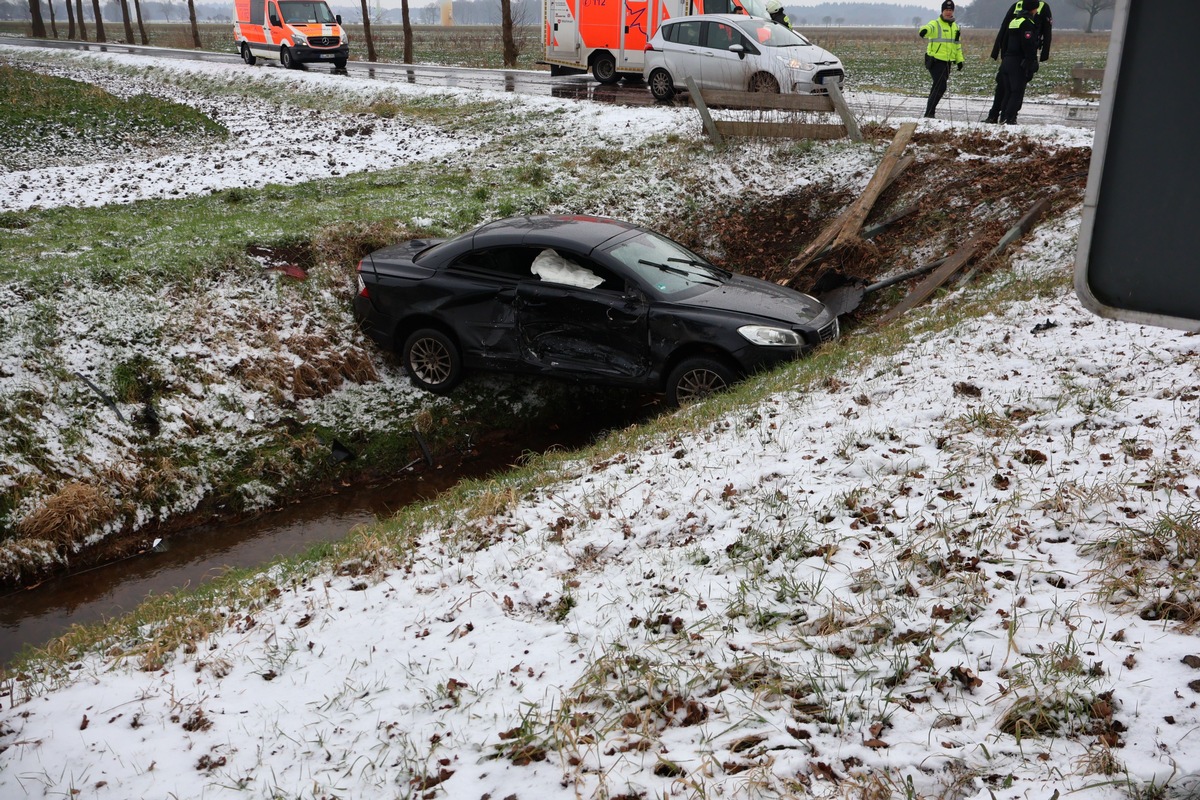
(69, 514)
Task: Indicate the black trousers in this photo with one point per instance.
(939, 71)
(1010, 90)
(998, 100)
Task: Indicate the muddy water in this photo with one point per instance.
(35, 616)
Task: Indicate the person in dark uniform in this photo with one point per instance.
(944, 49)
(1018, 63)
(1045, 30)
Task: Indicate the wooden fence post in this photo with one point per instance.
(843, 110)
(702, 107)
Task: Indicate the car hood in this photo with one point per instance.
(757, 298)
(317, 28)
(811, 53)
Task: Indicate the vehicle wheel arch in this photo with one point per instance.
(698, 350)
(697, 375)
(603, 65)
(764, 82)
(433, 359)
(661, 85)
(410, 325)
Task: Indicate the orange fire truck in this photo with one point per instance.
(293, 31)
(608, 36)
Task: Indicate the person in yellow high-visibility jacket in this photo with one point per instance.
(944, 49)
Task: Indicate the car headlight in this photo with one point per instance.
(769, 337)
(795, 63)
(300, 38)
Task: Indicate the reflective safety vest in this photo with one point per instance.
(943, 38)
(1019, 9)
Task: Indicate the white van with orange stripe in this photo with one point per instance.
(294, 31)
(609, 36)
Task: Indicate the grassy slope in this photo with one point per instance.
(195, 285)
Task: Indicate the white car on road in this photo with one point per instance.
(738, 53)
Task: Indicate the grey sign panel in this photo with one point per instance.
(1139, 243)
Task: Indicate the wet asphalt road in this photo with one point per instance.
(1072, 113)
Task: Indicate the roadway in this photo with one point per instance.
(876, 106)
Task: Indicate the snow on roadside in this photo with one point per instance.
(895, 582)
(853, 587)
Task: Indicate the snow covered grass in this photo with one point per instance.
(155, 348)
(953, 557)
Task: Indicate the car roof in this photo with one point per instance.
(556, 230)
(732, 18)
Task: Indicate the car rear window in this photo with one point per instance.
(683, 33)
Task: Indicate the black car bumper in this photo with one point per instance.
(373, 324)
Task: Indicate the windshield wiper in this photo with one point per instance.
(702, 265)
(676, 270)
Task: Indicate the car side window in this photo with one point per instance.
(687, 33)
(508, 264)
(720, 36)
(571, 269)
(745, 42)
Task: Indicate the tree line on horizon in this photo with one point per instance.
(46, 16)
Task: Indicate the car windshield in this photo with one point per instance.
(667, 266)
(771, 34)
(299, 12)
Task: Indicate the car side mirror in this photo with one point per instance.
(338, 17)
(737, 48)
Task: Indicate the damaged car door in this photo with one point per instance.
(590, 332)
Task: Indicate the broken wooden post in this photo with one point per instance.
(927, 286)
(843, 110)
(879, 181)
(825, 240)
(709, 125)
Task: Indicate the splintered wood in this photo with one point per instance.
(843, 232)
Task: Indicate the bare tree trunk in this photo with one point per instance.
(70, 21)
(125, 19)
(53, 27)
(408, 36)
(82, 26)
(137, 7)
(99, 21)
(195, 29)
(35, 14)
(367, 32)
(506, 32)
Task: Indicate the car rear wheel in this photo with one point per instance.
(661, 85)
(339, 63)
(604, 68)
(432, 360)
(247, 56)
(762, 82)
(695, 378)
(286, 59)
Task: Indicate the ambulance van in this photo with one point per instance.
(608, 37)
(294, 31)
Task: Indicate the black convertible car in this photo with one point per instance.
(582, 298)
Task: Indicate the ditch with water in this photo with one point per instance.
(36, 615)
